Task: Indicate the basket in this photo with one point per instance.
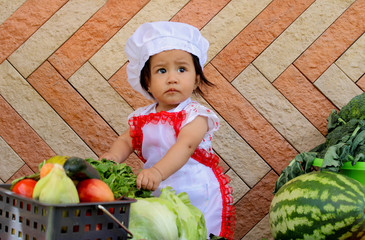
(25, 218)
(356, 171)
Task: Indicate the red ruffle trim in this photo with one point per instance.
(229, 212)
(211, 160)
(175, 119)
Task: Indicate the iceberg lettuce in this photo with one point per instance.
(169, 216)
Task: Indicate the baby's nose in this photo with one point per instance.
(172, 78)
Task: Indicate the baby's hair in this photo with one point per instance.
(146, 76)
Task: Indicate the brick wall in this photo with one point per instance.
(279, 67)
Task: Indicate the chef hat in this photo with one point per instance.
(155, 37)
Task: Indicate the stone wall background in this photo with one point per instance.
(279, 67)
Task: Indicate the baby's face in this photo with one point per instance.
(173, 78)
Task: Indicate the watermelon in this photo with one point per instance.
(319, 205)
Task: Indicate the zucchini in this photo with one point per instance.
(78, 169)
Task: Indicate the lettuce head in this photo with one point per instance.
(169, 216)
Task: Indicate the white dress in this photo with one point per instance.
(154, 133)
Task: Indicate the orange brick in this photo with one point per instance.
(263, 30)
(333, 42)
(254, 205)
(199, 12)
(305, 97)
(22, 138)
(24, 22)
(361, 82)
(72, 107)
(247, 121)
(93, 35)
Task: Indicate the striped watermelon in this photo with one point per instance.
(319, 205)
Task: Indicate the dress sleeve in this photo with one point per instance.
(139, 111)
(195, 109)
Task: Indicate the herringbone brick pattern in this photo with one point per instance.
(279, 68)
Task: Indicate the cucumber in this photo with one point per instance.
(78, 169)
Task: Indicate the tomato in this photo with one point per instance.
(25, 187)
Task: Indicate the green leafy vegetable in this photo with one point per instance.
(119, 177)
(355, 109)
(190, 220)
(345, 141)
(152, 218)
(167, 217)
(301, 164)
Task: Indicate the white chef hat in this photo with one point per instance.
(155, 37)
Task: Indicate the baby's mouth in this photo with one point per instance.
(171, 90)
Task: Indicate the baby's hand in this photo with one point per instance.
(149, 179)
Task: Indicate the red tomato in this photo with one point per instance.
(25, 187)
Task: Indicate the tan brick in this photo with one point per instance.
(253, 39)
(277, 110)
(333, 42)
(60, 27)
(337, 86)
(352, 62)
(111, 56)
(10, 162)
(305, 97)
(24, 22)
(296, 38)
(9, 7)
(239, 187)
(229, 22)
(39, 115)
(104, 99)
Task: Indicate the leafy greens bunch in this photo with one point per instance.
(345, 141)
(119, 177)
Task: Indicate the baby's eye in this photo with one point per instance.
(181, 69)
(161, 70)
